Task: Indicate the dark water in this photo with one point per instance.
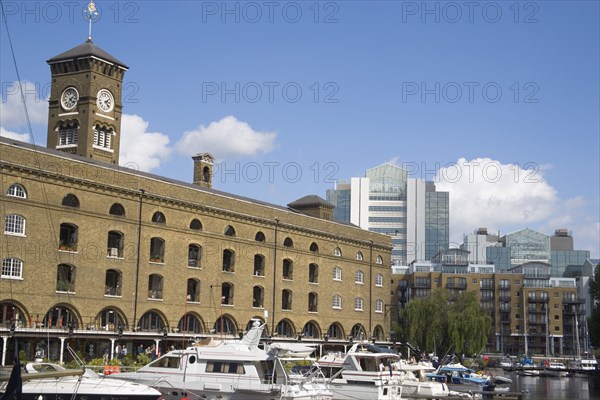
(564, 388)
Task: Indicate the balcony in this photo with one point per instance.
(422, 284)
(573, 300)
(457, 285)
(533, 299)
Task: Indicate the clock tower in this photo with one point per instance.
(85, 106)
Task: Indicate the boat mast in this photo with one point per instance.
(577, 335)
(525, 324)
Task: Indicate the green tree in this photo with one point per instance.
(594, 320)
(468, 324)
(435, 323)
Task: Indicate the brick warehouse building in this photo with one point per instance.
(95, 254)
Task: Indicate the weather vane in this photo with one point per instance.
(91, 14)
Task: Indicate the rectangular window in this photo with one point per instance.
(12, 268)
(14, 225)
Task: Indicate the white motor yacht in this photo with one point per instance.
(370, 372)
(217, 368)
(48, 381)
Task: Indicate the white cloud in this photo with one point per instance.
(12, 112)
(227, 137)
(141, 149)
(23, 137)
(487, 193)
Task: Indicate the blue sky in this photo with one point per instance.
(290, 96)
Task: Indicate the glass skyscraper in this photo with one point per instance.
(387, 201)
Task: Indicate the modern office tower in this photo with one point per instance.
(410, 211)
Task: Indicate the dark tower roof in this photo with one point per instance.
(85, 50)
(310, 201)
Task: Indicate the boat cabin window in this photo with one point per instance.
(192, 359)
(368, 364)
(166, 362)
(225, 367)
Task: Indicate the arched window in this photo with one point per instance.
(288, 269)
(70, 200)
(16, 190)
(113, 283)
(67, 134)
(358, 332)
(157, 250)
(258, 297)
(194, 256)
(288, 242)
(196, 224)
(359, 277)
(115, 245)
(67, 237)
(358, 304)
(189, 323)
(379, 260)
(12, 268)
(313, 302)
(379, 280)
(159, 218)
(313, 273)
(259, 265)
(225, 325)
(335, 331)
(336, 302)
(193, 290)
(286, 299)
(110, 319)
(378, 333)
(229, 231)
(102, 137)
(14, 225)
(60, 316)
(359, 256)
(337, 252)
(260, 237)
(11, 315)
(155, 287)
(285, 329)
(151, 321)
(117, 209)
(314, 247)
(378, 306)
(205, 174)
(337, 274)
(227, 293)
(65, 278)
(228, 261)
(311, 330)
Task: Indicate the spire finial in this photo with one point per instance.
(91, 14)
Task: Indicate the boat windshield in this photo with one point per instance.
(166, 362)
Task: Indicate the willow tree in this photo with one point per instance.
(425, 321)
(594, 320)
(468, 324)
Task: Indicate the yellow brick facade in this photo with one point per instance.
(48, 176)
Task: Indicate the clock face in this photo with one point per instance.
(105, 100)
(69, 98)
